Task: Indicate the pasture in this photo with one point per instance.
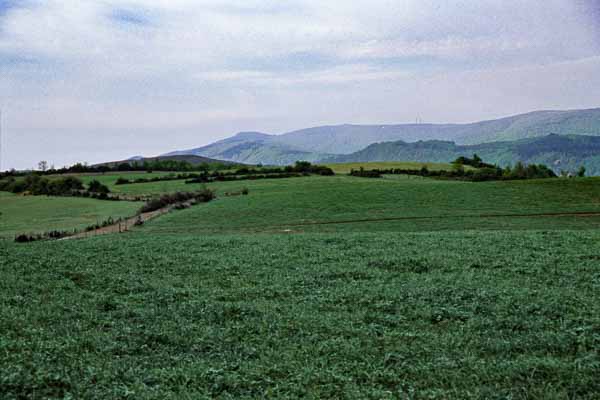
(38, 214)
(470, 315)
(343, 203)
(313, 287)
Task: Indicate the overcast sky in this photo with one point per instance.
(93, 80)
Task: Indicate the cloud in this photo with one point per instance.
(130, 17)
(96, 68)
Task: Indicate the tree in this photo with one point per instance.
(43, 166)
(581, 172)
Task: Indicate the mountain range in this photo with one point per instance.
(332, 142)
(559, 152)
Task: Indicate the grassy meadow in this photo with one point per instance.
(465, 315)
(343, 203)
(318, 287)
(38, 214)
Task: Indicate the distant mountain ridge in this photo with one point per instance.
(192, 159)
(559, 152)
(322, 142)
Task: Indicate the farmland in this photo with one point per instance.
(315, 287)
(342, 203)
(37, 214)
(385, 315)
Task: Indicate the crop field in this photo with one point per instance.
(315, 287)
(371, 315)
(37, 214)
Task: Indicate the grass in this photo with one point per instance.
(317, 203)
(110, 178)
(469, 315)
(388, 288)
(37, 214)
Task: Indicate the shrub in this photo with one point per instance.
(122, 181)
(97, 187)
(366, 173)
(201, 196)
(38, 185)
(24, 238)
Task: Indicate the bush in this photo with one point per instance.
(38, 185)
(362, 173)
(202, 196)
(97, 187)
(122, 181)
(25, 238)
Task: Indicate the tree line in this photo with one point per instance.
(132, 166)
(483, 171)
(301, 168)
(68, 186)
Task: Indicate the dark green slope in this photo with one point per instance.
(560, 152)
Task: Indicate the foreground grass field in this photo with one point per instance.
(318, 287)
(37, 214)
(481, 315)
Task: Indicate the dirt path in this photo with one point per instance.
(122, 226)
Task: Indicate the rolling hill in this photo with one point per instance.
(317, 143)
(190, 158)
(560, 152)
(253, 148)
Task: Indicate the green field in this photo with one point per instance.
(110, 178)
(343, 203)
(389, 315)
(38, 214)
(317, 287)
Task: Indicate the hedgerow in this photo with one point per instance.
(494, 173)
(201, 196)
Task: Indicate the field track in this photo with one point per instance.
(534, 215)
(122, 226)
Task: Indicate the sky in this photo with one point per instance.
(97, 80)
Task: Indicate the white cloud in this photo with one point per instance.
(205, 68)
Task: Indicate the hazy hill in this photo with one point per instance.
(253, 148)
(192, 159)
(566, 152)
(315, 143)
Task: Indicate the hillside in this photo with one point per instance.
(190, 158)
(252, 148)
(316, 143)
(559, 152)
